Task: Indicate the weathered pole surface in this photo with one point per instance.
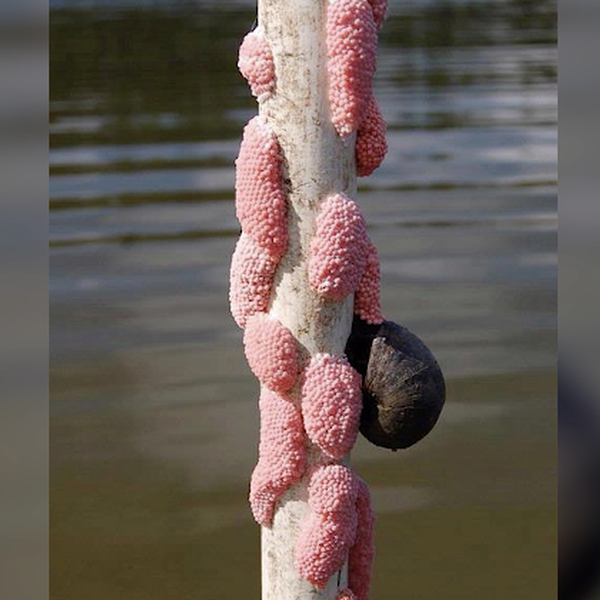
(317, 163)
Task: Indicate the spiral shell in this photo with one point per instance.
(403, 386)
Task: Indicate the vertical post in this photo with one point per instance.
(317, 163)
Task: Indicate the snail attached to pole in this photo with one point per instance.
(403, 386)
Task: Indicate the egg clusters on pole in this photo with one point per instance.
(251, 280)
(331, 404)
(371, 145)
(338, 249)
(362, 552)
(271, 352)
(282, 454)
(367, 304)
(255, 63)
(352, 35)
(326, 539)
(260, 201)
(352, 59)
(313, 404)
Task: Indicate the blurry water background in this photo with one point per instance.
(154, 416)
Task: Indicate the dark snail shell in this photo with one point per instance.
(403, 386)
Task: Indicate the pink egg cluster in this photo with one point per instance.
(325, 540)
(260, 199)
(256, 64)
(261, 209)
(338, 249)
(352, 27)
(367, 304)
(371, 143)
(271, 352)
(251, 279)
(342, 261)
(282, 454)
(351, 50)
(360, 562)
(331, 404)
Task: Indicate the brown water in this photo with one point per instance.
(154, 413)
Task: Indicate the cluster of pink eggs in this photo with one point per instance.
(318, 403)
(352, 34)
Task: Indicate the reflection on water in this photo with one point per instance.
(154, 418)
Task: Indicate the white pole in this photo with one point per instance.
(317, 164)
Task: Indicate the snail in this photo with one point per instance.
(403, 385)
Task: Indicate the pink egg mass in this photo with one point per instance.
(331, 404)
(327, 537)
(260, 199)
(338, 249)
(342, 261)
(371, 143)
(255, 63)
(352, 57)
(333, 489)
(282, 454)
(367, 303)
(251, 279)
(360, 563)
(271, 352)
